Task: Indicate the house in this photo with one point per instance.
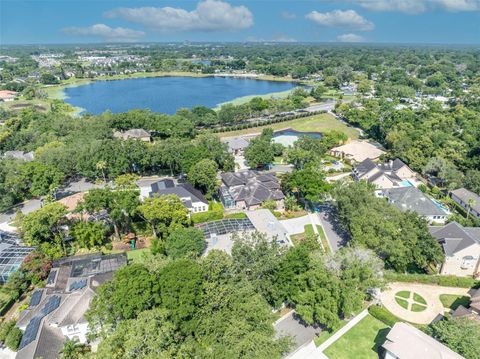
(358, 151)
(404, 341)
(12, 254)
(135, 133)
(473, 310)
(468, 200)
(250, 189)
(56, 313)
(461, 246)
(236, 145)
(218, 234)
(385, 175)
(19, 155)
(6, 95)
(412, 199)
(192, 198)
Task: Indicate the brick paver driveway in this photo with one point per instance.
(431, 293)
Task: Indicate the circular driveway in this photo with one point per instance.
(431, 293)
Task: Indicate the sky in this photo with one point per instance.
(372, 21)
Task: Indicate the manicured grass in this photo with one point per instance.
(239, 215)
(403, 294)
(401, 302)
(418, 308)
(323, 239)
(318, 123)
(419, 299)
(309, 230)
(138, 255)
(363, 341)
(453, 301)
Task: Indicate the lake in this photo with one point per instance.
(166, 94)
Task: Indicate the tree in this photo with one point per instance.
(459, 334)
(259, 152)
(308, 183)
(43, 225)
(14, 336)
(185, 243)
(132, 290)
(36, 267)
(73, 349)
(88, 234)
(203, 175)
(42, 179)
(165, 214)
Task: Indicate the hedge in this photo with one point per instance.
(214, 213)
(239, 215)
(383, 315)
(443, 280)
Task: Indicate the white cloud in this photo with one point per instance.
(209, 15)
(348, 19)
(350, 38)
(288, 15)
(106, 32)
(418, 6)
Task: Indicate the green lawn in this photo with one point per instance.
(401, 302)
(318, 123)
(403, 294)
(453, 301)
(138, 255)
(323, 239)
(361, 342)
(419, 299)
(418, 307)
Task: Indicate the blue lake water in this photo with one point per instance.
(166, 94)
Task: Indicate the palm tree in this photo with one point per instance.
(73, 349)
(471, 202)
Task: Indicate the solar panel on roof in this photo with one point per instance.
(52, 304)
(30, 331)
(79, 284)
(51, 277)
(36, 297)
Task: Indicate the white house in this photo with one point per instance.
(461, 246)
(391, 174)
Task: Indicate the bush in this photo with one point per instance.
(383, 315)
(239, 215)
(215, 212)
(443, 280)
(12, 341)
(5, 328)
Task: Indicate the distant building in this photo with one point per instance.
(357, 151)
(6, 95)
(56, 313)
(461, 246)
(412, 199)
(192, 198)
(19, 155)
(12, 254)
(404, 341)
(236, 145)
(136, 133)
(469, 200)
(386, 175)
(250, 189)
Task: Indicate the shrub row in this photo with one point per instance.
(244, 126)
(383, 315)
(443, 280)
(209, 216)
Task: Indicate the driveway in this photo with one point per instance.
(431, 294)
(337, 236)
(292, 325)
(296, 225)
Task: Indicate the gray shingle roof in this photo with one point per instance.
(236, 143)
(411, 198)
(454, 237)
(465, 195)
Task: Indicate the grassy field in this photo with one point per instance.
(402, 302)
(453, 301)
(361, 342)
(138, 255)
(403, 294)
(319, 123)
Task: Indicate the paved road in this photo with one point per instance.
(336, 236)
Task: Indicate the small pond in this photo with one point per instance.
(289, 136)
